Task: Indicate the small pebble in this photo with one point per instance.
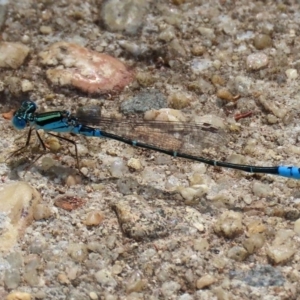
(229, 224)
(228, 25)
(63, 279)
(46, 14)
(117, 269)
(224, 94)
(194, 218)
(25, 39)
(78, 252)
(45, 29)
(217, 64)
(145, 78)
(205, 281)
(168, 34)
(254, 242)
(135, 164)
(201, 245)
(291, 73)
(84, 171)
(118, 168)
(198, 50)
(283, 248)
(72, 180)
(193, 193)
(281, 254)
(179, 100)
(242, 85)
(206, 32)
(201, 86)
(272, 119)
(94, 218)
(262, 41)
(196, 178)
(53, 143)
(199, 65)
(269, 105)
(237, 253)
(123, 16)
(165, 114)
(26, 86)
(93, 296)
(257, 61)
(256, 226)
(218, 80)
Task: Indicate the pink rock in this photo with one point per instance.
(85, 69)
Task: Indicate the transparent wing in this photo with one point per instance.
(189, 138)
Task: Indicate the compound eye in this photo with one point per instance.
(18, 123)
(28, 106)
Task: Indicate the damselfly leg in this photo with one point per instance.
(43, 145)
(72, 142)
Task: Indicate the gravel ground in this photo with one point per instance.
(133, 223)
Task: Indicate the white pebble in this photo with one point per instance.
(217, 64)
(167, 35)
(198, 65)
(257, 61)
(93, 296)
(191, 193)
(291, 73)
(26, 86)
(205, 281)
(117, 168)
(84, 171)
(25, 39)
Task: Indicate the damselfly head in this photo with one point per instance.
(20, 117)
(27, 107)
